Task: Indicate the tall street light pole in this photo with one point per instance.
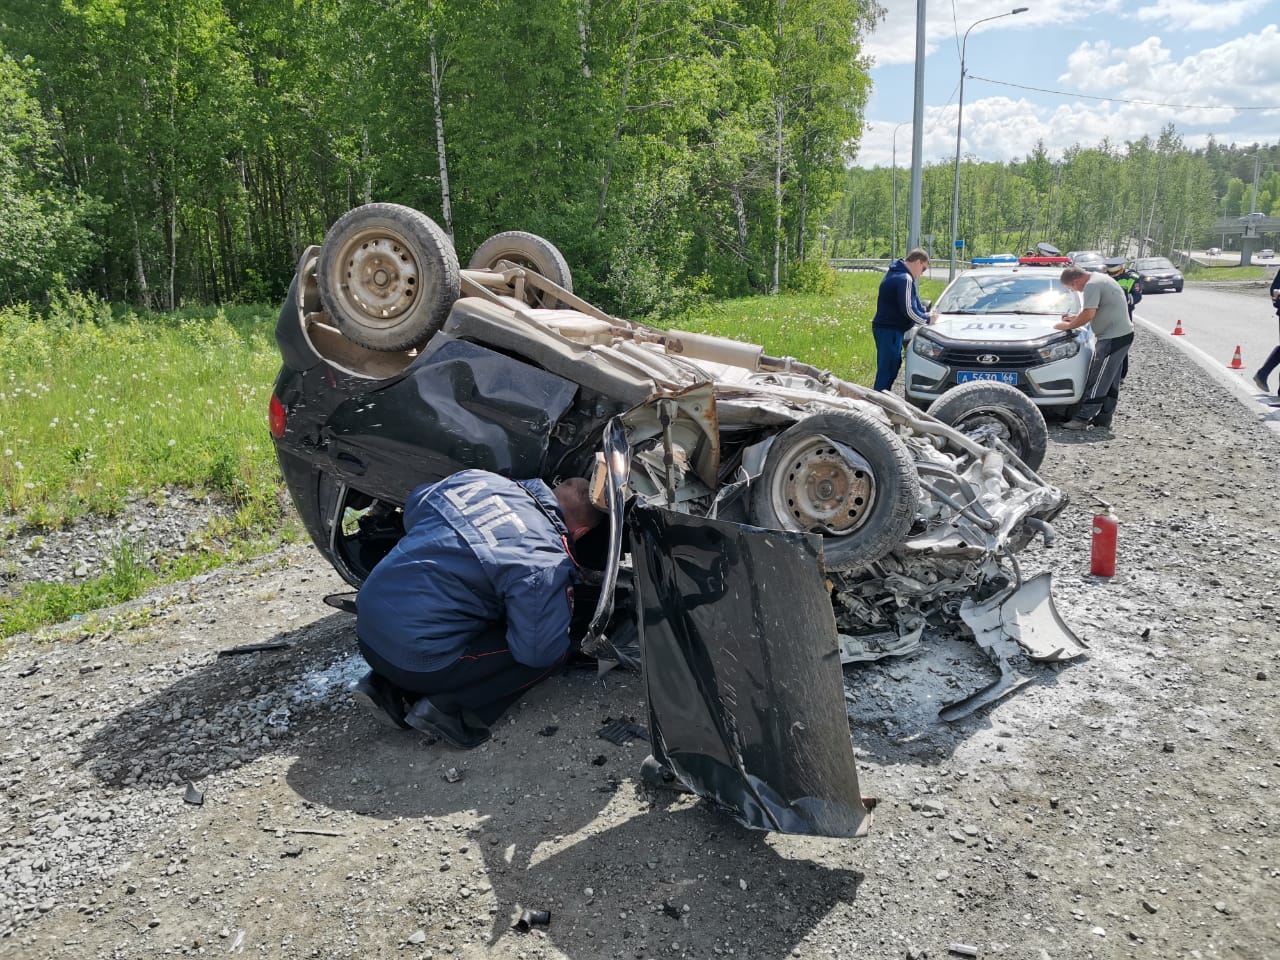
(893, 253)
(955, 187)
(917, 132)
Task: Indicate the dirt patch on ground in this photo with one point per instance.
(1124, 805)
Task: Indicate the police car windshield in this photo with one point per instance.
(1016, 293)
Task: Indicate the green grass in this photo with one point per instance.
(102, 406)
(97, 409)
(833, 332)
(1200, 272)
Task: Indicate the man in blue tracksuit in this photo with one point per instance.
(472, 606)
(898, 309)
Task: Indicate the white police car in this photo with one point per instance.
(996, 324)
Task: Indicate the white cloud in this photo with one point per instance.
(1197, 15)
(1198, 93)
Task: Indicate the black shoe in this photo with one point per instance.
(1076, 424)
(1262, 384)
(381, 699)
(449, 727)
(1103, 423)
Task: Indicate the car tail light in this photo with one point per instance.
(276, 417)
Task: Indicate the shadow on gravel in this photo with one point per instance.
(547, 805)
(615, 864)
(222, 715)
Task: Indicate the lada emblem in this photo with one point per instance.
(988, 358)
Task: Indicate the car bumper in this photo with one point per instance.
(1059, 383)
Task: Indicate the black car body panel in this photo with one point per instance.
(742, 672)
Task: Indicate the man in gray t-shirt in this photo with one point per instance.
(1105, 306)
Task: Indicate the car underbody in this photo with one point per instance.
(757, 505)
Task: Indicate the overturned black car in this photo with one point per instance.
(769, 521)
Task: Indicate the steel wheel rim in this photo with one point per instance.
(380, 277)
(825, 488)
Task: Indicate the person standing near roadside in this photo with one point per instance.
(1106, 308)
(898, 309)
(1273, 359)
(1129, 281)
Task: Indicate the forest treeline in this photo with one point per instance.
(189, 150)
(1152, 195)
(158, 152)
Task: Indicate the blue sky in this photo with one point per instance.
(1204, 60)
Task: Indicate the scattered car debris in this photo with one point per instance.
(28, 671)
(254, 648)
(194, 795)
(529, 919)
(622, 731)
(963, 950)
(453, 775)
(346, 602)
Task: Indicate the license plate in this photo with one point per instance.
(965, 376)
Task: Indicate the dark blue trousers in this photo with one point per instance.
(888, 354)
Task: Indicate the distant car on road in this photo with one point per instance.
(1213, 251)
(1044, 255)
(996, 324)
(1266, 254)
(1157, 274)
(1088, 260)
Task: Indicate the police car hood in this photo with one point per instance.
(995, 327)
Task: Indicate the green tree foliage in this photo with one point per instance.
(44, 235)
(1147, 195)
(669, 147)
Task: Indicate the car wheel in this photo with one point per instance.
(526, 250)
(844, 475)
(982, 410)
(388, 276)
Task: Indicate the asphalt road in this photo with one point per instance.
(1215, 320)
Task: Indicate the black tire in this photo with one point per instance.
(526, 250)
(863, 510)
(982, 409)
(388, 276)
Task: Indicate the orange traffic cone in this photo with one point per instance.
(1177, 330)
(1236, 363)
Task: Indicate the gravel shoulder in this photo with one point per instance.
(1124, 805)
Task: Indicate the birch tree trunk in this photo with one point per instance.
(446, 206)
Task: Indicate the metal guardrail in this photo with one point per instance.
(878, 265)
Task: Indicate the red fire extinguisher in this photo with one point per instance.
(1102, 557)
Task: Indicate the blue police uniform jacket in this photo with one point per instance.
(898, 303)
(478, 549)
